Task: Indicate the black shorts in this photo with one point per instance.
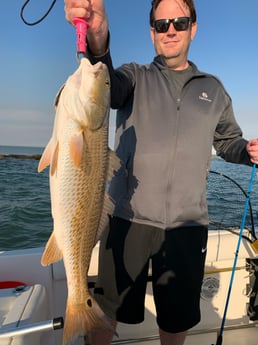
(177, 258)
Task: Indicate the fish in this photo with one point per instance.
(81, 166)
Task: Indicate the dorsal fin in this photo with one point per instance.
(114, 164)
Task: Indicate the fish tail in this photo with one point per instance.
(82, 318)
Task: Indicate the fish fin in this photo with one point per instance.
(45, 159)
(108, 209)
(52, 253)
(48, 157)
(82, 318)
(114, 163)
(54, 160)
(76, 148)
(108, 203)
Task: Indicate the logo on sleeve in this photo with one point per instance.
(205, 97)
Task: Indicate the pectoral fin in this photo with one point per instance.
(76, 148)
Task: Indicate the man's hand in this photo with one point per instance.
(93, 11)
(252, 149)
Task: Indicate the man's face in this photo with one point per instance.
(173, 45)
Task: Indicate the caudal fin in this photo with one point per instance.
(82, 318)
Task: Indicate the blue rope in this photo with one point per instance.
(219, 340)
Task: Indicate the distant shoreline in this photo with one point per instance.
(11, 155)
(38, 156)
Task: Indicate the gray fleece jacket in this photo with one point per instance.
(165, 142)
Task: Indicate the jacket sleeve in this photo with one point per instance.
(228, 139)
(121, 83)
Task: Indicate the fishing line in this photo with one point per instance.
(40, 19)
(220, 336)
(220, 188)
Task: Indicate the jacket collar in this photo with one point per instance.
(159, 61)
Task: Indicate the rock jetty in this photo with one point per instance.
(37, 157)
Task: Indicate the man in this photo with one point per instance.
(169, 116)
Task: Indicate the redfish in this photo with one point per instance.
(81, 164)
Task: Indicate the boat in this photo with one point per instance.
(33, 297)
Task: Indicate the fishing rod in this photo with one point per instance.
(220, 335)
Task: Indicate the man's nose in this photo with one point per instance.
(171, 29)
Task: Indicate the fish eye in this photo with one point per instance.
(89, 302)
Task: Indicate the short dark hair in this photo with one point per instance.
(189, 4)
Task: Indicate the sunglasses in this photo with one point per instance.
(180, 24)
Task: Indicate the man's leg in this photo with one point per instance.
(177, 273)
(121, 284)
(172, 338)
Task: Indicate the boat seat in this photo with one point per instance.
(21, 306)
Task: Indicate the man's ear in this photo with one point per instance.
(152, 33)
(193, 30)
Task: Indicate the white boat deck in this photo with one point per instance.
(246, 336)
(49, 284)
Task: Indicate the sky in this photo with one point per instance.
(36, 60)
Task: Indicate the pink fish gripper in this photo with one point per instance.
(81, 27)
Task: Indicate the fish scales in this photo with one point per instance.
(80, 166)
(89, 183)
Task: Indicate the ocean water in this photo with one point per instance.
(25, 216)
(25, 210)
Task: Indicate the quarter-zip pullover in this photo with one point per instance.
(165, 142)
